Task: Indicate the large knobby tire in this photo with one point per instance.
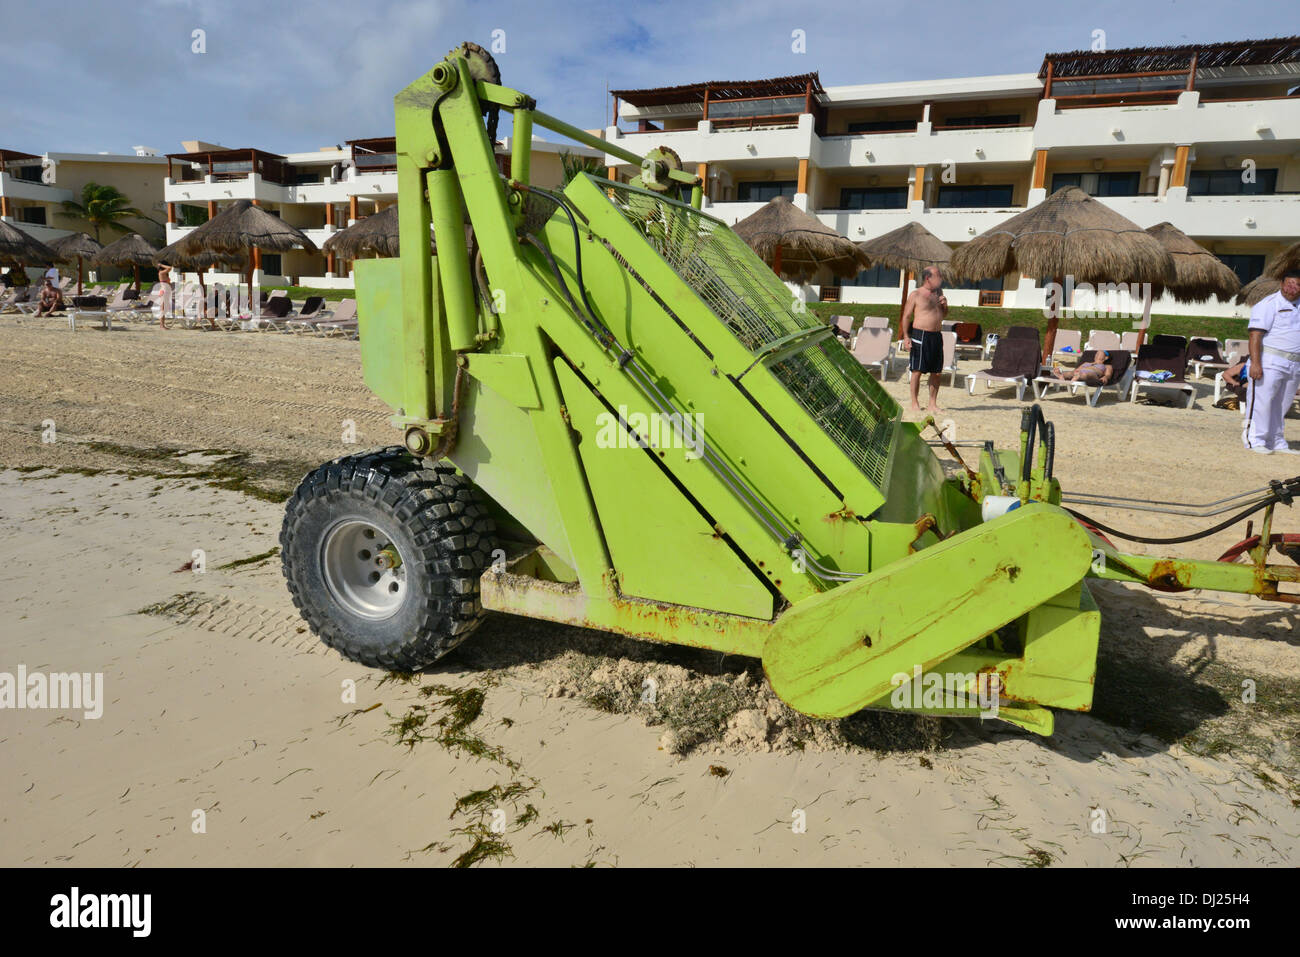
(342, 529)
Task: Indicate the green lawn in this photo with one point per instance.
(998, 319)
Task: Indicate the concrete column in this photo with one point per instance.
(1038, 186)
(916, 196)
(1181, 158)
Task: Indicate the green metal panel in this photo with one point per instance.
(383, 325)
(507, 373)
(747, 441)
(662, 547)
(836, 653)
(499, 450)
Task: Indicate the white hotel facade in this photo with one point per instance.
(1204, 137)
(320, 192)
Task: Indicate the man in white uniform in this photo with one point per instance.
(1274, 366)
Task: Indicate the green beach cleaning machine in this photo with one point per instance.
(616, 416)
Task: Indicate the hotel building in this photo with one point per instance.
(1206, 137)
(319, 192)
(33, 189)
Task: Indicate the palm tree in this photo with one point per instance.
(573, 165)
(103, 206)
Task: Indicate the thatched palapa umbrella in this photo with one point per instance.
(1257, 289)
(1068, 234)
(376, 234)
(19, 249)
(242, 227)
(911, 248)
(1284, 262)
(796, 244)
(131, 250)
(174, 255)
(1198, 274)
(76, 247)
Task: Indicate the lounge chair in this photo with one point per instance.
(875, 347)
(1128, 341)
(1068, 337)
(875, 322)
(348, 329)
(345, 312)
(950, 347)
(1164, 338)
(1222, 385)
(1158, 357)
(970, 338)
(274, 314)
(1121, 361)
(1103, 339)
(1205, 354)
(1015, 362)
(312, 306)
(17, 299)
(89, 307)
(1021, 332)
(1236, 349)
(843, 326)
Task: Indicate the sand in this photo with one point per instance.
(218, 700)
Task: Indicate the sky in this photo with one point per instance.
(101, 75)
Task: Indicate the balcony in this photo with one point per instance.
(926, 146)
(1258, 123)
(707, 144)
(15, 188)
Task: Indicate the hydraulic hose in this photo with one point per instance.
(1283, 492)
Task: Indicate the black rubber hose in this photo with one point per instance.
(1180, 539)
(577, 240)
(1049, 433)
(1030, 420)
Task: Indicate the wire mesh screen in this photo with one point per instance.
(748, 298)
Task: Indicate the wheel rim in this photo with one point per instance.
(356, 556)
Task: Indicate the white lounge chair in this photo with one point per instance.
(1104, 339)
(1068, 337)
(344, 313)
(875, 347)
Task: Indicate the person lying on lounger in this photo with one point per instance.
(51, 299)
(1097, 372)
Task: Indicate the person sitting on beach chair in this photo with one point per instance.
(51, 299)
(1098, 372)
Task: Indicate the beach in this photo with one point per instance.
(141, 478)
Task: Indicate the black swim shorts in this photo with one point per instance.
(926, 354)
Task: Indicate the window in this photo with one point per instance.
(964, 197)
(374, 162)
(1099, 184)
(1000, 119)
(882, 126)
(875, 276)
(873, 197)
(271, 264)
(35, 215)
(191, 215)
(1228, 182)
(1247, 268)
(31, 174)
(762, 192)
(301, 178)
(984, 285)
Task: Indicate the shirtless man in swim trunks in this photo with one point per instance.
(920, 335)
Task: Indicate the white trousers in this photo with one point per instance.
(1267, 401)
